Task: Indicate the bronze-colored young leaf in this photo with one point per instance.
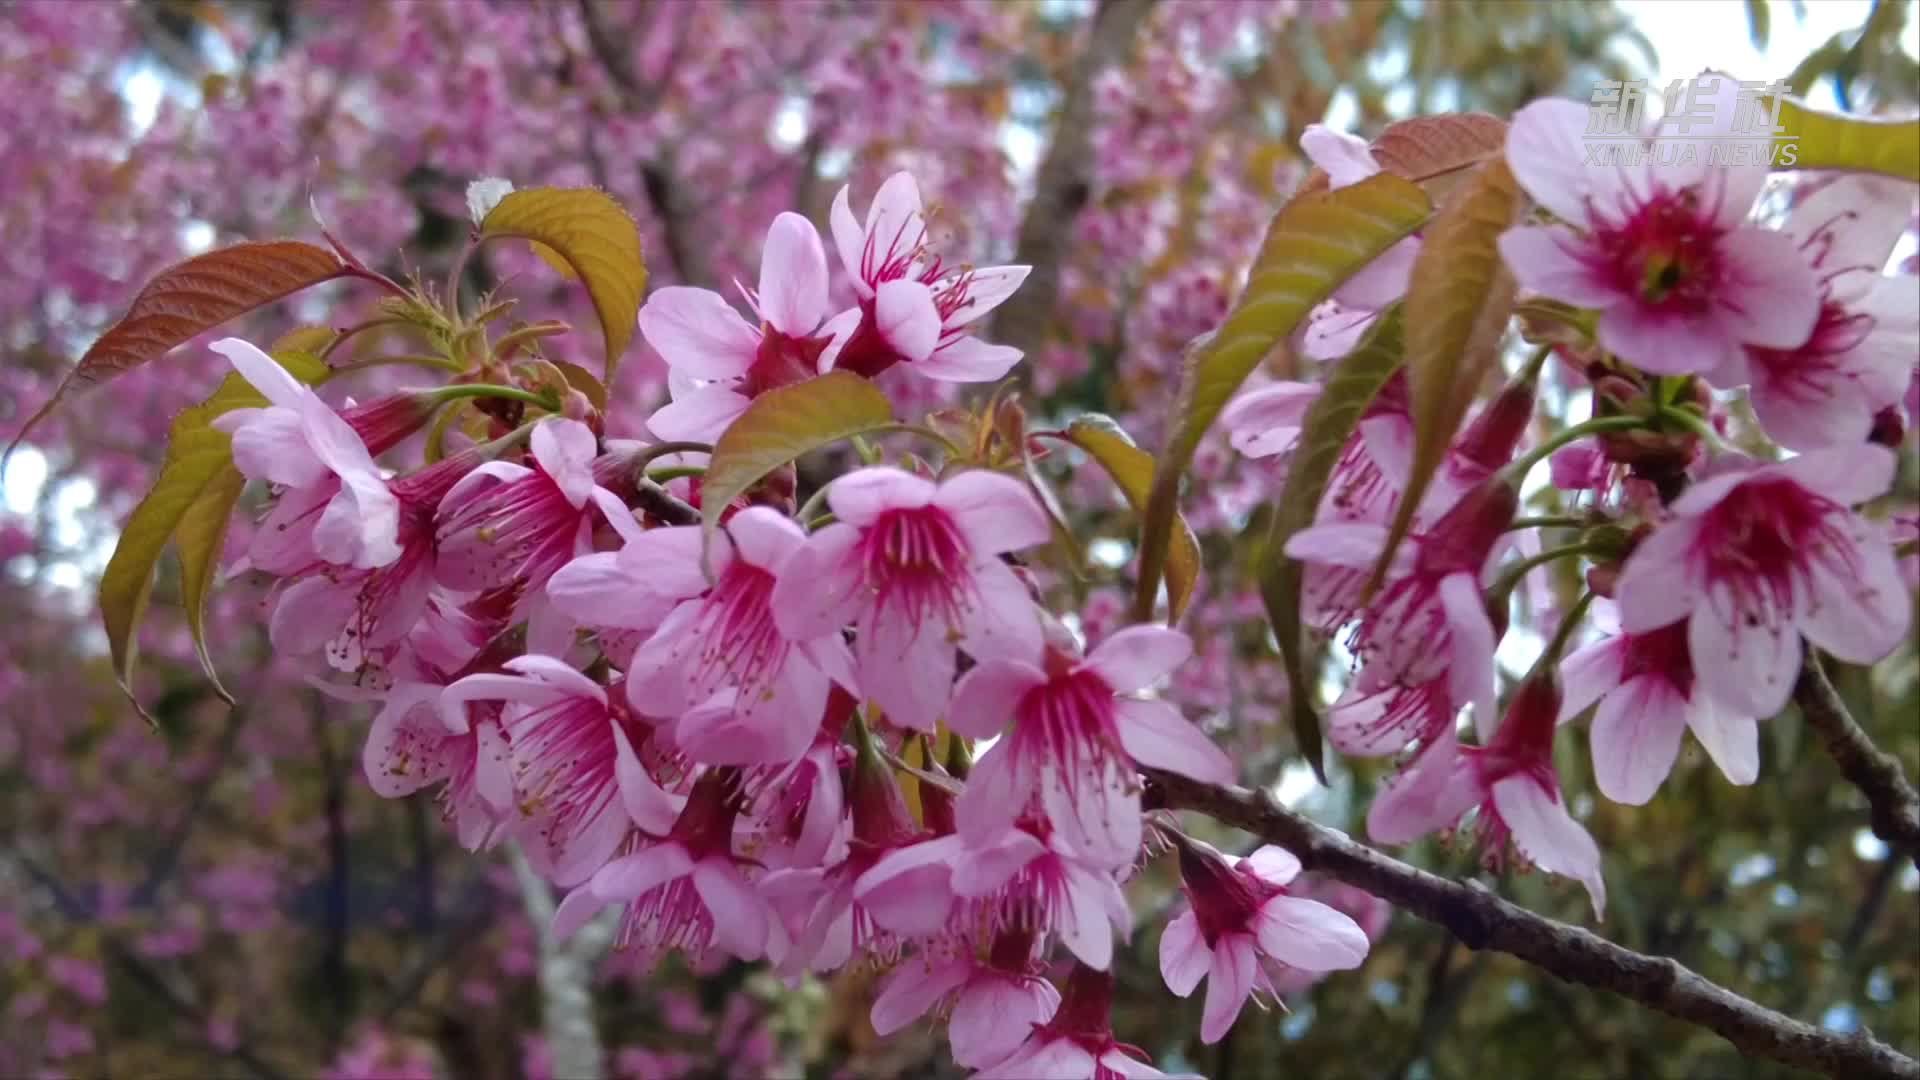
(1315, 242)
(1458, 303)
(1823, 140)
(1132, 469)
(783, 424)
(1426, 147)
(190, 298)
(1330, 421)
(595, 236)
(188, 505)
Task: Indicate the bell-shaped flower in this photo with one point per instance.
(1243, 930)
(915, 567)
(1078, 1042)
(1659, 241)
(913, 308)
(1754, 558)
(1512, 784)
(718, 362)
(991, 1004)
(299, 444)
(1076, 736)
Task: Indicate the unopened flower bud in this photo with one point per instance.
(387, 422)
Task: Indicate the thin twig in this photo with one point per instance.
(1482, 920)
(1894, 806)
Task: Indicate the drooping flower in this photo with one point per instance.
(913, 308)
(1660, 244)
(1078, 1042)
(1754, 558)
(686, 890)
(1648, 695)
(1512, 784)
(992, 1004)
(724, 639)
(915, 567)
(1078, 738)
(507, 524)
(1243, 926)
(1376, 717)
(1337, 326)
(718, 362)
(1860, 356)
(300, 445)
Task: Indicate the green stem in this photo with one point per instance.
(1548, 521)
(459, 271)
(511, 393)
(812, 506)
(1510, 576)
(1681, 416)
(532, 332)
(675, 472)
(1565, 631)
(659, 450)
(1538, 360)
(1523, 465)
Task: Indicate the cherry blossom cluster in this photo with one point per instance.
(707, 731)
(1706, 567)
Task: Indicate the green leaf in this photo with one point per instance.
(1132, 469)
(1315, 242)
(1330, 421)
(1458, 303)
(189, 505)
(581, 379)
(596, 237)
(190, 298)
(1759, 23)
(1822, 140)
(783, 424)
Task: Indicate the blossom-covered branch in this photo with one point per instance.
(1894, 805)
(1483, 920)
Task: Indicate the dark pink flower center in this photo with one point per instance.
(1806, 373)
(782, 361)
(917, 563)
(1224, 898)
(1663, 654)
(1760, 545)
(1666, 251)
(736, 631)
(1069, 721)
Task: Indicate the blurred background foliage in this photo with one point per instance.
(225, 897)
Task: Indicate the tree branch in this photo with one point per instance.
(1894, 806)
(1061, 186)
(1482, 920)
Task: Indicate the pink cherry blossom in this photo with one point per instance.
(913, 309)
(1078, 1042)
(1078, 737)
(1358, 301)
(1243, 926)
(507, 524)
(915, 567)
(991, 1005)
(414, 744)
(1860, 356)
(1512, 783)
(718, 361)
(1376, 717)
(725, 639)
(1661, 246)
(1648, 695)
(686, 890)
(301, 446)
(1754, 558)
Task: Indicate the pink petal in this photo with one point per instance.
(988, 696)
(985, 868)
(1589, 673)
(1771, 297)
(603, 590)
(1544, 833)
(263, 372)
(838, 331)
(1731, 740)
(1548, 259)
(1636, 738)
(1858, 608)
(848, 240)
(1470, 667)
(821, 587)
(1258, 422)
(1547, 154)
(987, 288)
(404, 754)
(1656, 587)
(997, 791)
(894, 226)
(360, 526)
(908, 891)
(1099, 817)
(646, 803)
(793, 276)
(995, 512)
(1346, 158)
(1001, 623)
(906, 667)
(557, 674)
(1844, 474)
(1229, 982)
(994, 1015)
(906, 318)
(765, 537)
(701, 416)
(1273, 863)
(968, 360)
(720, 732)
(861, 496)
(630, 877)
(1381, 282)
(1350, 544)
(1746, 659)
(1184, 956)
(669, 559)
(1138, 656)
(1156, 736)
(1311, 935)
(574, 912)
(697, 332)
(739, 915)
(1662, 343)
(565, 450)
(271, 445)
(911, 990)
(1427, 795)
(1084, 927)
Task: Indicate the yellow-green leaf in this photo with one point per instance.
(1132, 469)
(188, 505)
(783, 424)
(1458, 302)
(1330, 421)
(1822, 140)
(593, 234)
(1315, 242)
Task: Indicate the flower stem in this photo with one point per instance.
(1564, 632)
(511, 393)
(1548, 521)
(1510, 576)
(1523, 465)
(675, 472)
